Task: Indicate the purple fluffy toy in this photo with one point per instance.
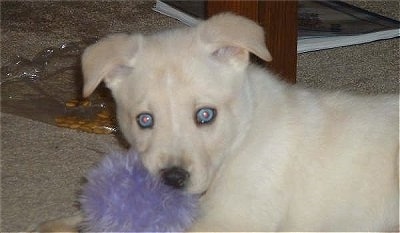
(121, 196)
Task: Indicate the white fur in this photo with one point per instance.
(277, 157)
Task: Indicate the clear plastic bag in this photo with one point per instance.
(48, 89)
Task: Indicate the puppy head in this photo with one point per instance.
(182, 96)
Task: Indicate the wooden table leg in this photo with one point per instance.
(279, 20)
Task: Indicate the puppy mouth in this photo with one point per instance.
(203, 193)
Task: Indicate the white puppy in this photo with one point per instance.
(265, 155)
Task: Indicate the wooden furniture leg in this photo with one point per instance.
(279, 20)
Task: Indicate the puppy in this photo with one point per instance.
(265, 156)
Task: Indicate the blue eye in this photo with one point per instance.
(205, 115)
(145, 120)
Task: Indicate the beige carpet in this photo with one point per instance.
(42, 165)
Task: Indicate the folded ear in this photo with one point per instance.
(234, 37)
(108, 58)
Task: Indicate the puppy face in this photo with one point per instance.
(182, 99)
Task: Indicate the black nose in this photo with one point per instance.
(175, 177)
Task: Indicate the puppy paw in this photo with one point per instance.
(68, 224)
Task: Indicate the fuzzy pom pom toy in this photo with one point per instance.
(122, 196)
